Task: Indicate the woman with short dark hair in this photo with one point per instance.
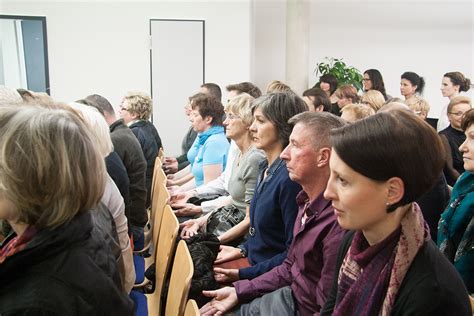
(388, 264)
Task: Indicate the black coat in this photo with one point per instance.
(63, 271)
(128, 148)
(431, 286)
(150, 142)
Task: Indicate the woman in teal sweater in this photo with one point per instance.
(456, 227)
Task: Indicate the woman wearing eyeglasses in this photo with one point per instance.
(453, 137)
(388, 264)
(373, 81)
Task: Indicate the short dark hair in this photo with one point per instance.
(320, 124)
(381, 147)
(377, 81)
(91, 104)
(320, 98)
(458, 79)
(208, 106)
(278, 108)
(415, 80)
(329, 79)
(214, 90)
(467, 120)
(101, 103)
(246, 87)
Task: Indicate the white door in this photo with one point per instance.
(177, 72)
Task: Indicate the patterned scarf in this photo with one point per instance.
(456, 229)
(370, 276)
(16, 244)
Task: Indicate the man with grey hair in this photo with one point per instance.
(304, 279)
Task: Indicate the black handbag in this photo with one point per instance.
(223, 219)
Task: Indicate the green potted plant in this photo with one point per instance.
(343, 73)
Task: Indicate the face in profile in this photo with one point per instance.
(300, 155)
(367, 82)
(406, 88)
(199, 123)
(467, 149)
(235, 127)
(265, 135)
(124, 112)
(359, 202)
(448, 89)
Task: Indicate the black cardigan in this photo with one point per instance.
(431, 286)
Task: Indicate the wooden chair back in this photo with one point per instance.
(180, 281)
(192, 309)
(164, 248)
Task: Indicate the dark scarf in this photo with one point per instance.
(370, 276)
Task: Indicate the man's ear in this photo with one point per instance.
(396, 190)
(323, 157)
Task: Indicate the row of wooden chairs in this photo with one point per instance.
(160, 239)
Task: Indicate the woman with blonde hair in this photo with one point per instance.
(374, 99)
(354, 112)
(419, 106)
(52, 174)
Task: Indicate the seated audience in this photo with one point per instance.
(388, 264)
(301, 283)
(208, 154)
(452, 84)
(128, 148)
(411, 85)
(135, 111)
(355, 112)
(453, 137)
(244, 172)
(374, 99)
(317, 100)
(52, 175)
(273, 208)
(112, 198)
(373, 81)
(456, 228)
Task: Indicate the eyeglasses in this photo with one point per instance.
(231, 116)
(122, 108)
(456, 113)
(366, 79)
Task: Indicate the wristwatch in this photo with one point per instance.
(243, 252)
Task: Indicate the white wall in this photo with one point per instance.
(102, 46)
(427, 37)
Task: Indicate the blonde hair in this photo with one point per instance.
(458, 100)
(360, 111)
(418, 105)
(278, 86)
(241, 105)
(139, 104)
(9, 96)
(98, 127)
(50, 167)
(374, 99)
